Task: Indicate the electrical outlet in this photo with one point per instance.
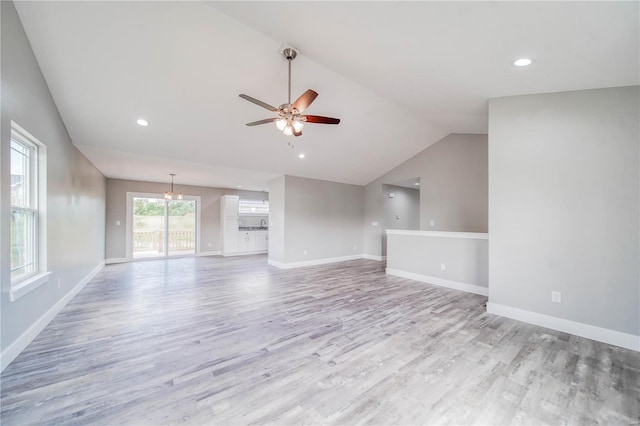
(443, 266)
(556, 297)
(432, 223)
(355, 248)
(304, 252)
(374, 223)
(209, 244)
(117, 223)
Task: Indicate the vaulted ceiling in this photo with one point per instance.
(400, 75)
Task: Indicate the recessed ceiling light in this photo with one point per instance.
(142, 122)
(417, 184)
(522, 62)
(239, 186)
(301, 156)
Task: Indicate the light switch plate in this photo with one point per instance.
(556, 297)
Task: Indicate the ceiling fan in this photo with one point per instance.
(290, 119)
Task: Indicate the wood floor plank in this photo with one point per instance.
(213, 340)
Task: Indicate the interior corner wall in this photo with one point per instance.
(276, 219)
(564, 206)
(324, 218)
(75, 192)
(116, 235)
(453, 176)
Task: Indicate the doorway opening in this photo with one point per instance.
(401, 207)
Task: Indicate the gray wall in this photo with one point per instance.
(276, 219)
(564, 205)
(323, 218)
(75, 189)
(210, 210)
(453, 176)
(466, 260)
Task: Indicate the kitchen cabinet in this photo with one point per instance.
(253, 241)
(246, 241)
(230, 205)
(229, 223)
(262, 241)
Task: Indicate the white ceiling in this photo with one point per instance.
(400, 75)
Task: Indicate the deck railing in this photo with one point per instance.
(153, 239)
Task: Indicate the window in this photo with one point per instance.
(258, 207)
(28, 224)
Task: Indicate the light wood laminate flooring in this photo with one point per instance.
(214, 340)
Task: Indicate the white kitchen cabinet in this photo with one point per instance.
(246, 241)
(262, 241)
(230, 205)
(229, 223)
(230, 235)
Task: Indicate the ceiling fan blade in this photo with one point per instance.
(305, 100)
(319, 119)
(265, 121)
(297, 133)
(259, 103)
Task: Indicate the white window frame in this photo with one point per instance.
(38, 206)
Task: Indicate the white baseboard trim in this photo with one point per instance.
(374, 257)
(116, 260)
(210, 253)
(315, 262)
(15, 348)
(612, 337)
(242, 253)
(456, 285)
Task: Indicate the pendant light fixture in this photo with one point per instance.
(170, 194)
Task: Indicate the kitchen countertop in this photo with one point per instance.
(252, 228)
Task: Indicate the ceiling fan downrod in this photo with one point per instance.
(290, 54)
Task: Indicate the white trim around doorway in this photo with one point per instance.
(129, 224)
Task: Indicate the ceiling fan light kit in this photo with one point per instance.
(290, 120)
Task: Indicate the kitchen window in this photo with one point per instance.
(253, 207)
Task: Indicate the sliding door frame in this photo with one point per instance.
(129, 222)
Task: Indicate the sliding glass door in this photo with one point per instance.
(181, 227)
(162, 228)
